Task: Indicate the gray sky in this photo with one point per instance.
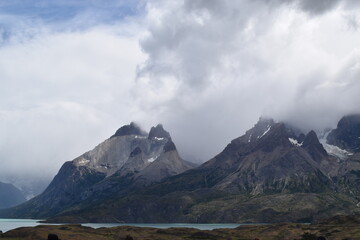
(72, 72)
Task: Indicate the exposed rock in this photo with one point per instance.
(347, 134)
(314, 147)
(158, 132)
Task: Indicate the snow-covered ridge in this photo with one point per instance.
(159, 139)
(295, 142)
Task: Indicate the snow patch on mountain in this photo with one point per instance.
(333, 150)
(150, 160)
(141, 137)
(266, 131)
(336, 151)
(83, 161)
(295, 142)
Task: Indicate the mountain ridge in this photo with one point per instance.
(274, 172)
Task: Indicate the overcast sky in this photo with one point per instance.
(73, 71)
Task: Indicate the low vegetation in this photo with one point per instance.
(337, 228)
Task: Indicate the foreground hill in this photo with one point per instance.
(337, 228)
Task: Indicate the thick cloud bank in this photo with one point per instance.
(206, 69)
(218, 65)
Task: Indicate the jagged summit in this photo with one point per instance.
(131, 129)
(314, 147)
(158, 132)
(311, 139)
(260, 129)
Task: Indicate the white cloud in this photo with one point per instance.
(233, 61)
(62, 93)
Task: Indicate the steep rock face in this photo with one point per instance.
(129, 159)
(10, 195)
(347, 134)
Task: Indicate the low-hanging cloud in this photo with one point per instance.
(227, 63)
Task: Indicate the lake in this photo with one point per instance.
(8, 224)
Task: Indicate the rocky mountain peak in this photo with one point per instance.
(158, 132)
(347, 134)
(260, 129)
(352, 120)
(277, 136)
(310, 139)
(313, 146)
(131, 129)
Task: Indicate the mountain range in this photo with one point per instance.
(273, 173)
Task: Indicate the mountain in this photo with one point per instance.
(273, 173)
(10, 195)
(128, 160)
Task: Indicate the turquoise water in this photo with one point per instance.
(8, 224)
(165, 225)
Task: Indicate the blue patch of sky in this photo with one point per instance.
(20, 19)
(63, 10)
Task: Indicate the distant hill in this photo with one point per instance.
(10, 196)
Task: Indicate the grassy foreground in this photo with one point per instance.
(335, 228)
